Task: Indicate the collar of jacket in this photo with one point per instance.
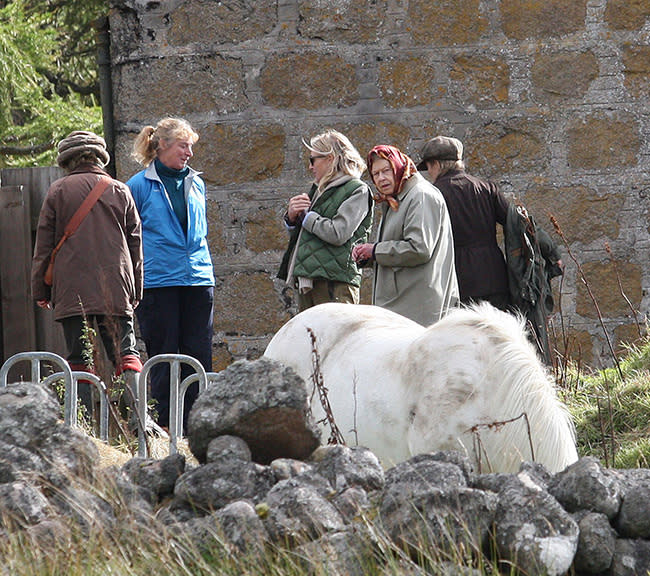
(88, 167)
(449, 174)
(338, 181)
(151, 174)
(409, 183)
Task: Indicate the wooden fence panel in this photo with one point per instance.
(19, 333)
(36, 182)
(43, 333)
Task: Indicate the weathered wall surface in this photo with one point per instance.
(551, 99)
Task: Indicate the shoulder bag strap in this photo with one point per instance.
(83, 210)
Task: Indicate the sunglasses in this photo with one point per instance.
(313, 159)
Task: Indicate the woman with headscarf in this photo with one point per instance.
(414, 254)
(325, 223)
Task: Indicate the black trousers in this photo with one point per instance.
(117, 334)
(176, 320)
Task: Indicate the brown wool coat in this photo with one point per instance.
(98, 270)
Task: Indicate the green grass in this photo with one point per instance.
(612, 413)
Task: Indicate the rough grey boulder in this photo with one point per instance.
(156, 476)
(346, 553)
(261, 401)
(633, 520)
(345, 466)
(352, 502)
(631, 558)
(68, 452)
(532, 530)
(235, 528)
(35, 441)
(427, 501)
(297, 513)
(84, 507)
(456, 521)
(242, 527)
(217, 484)
(596, 544)
(28, 414)
(22, 504)
(420, 474)
(17, 462)
(285, 468)
(228, 447)
(585, 485)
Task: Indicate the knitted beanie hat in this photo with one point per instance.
(79, 142)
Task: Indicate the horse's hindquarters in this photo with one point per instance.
(361, 370)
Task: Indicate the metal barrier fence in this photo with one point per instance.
(176, 392)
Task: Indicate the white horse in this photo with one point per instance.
(470, 382)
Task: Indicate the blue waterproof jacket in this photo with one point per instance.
(171, 257)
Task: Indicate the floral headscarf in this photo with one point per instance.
(403, 168)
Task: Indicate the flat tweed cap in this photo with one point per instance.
(79, 142)
(440, 148)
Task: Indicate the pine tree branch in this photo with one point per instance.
(26, 150)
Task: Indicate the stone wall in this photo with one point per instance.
(549, 97)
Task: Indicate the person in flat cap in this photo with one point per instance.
(476, 207)
(96, 277)
(413, 256)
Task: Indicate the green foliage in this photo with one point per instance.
(88, 335)
(612, 415)
(49, 72)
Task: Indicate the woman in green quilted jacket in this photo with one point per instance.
(326, 222)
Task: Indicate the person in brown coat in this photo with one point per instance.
(97, 275)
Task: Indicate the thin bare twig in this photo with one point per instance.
(354, 416)
(317, 378)
(583, 278)
(496, 425)
(635, 313)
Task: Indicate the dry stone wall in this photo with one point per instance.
(550, 98)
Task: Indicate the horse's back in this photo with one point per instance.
(401, 389)
(331, 327)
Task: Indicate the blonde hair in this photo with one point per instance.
(145, 147)
(347, 159)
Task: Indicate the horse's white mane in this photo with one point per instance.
(470, 382)
(528, 387)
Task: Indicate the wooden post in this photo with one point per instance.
(19, 330)
(35, 327)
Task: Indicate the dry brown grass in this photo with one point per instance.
(159, 447)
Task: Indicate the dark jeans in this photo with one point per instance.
(176, 320)
(117, 334)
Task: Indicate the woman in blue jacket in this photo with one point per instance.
(175, 315)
